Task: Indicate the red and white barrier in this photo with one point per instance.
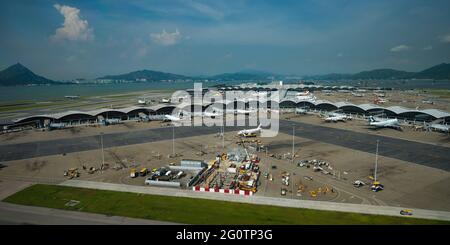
(224, 191)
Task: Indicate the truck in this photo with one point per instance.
(143, 172)
(133, 173)
(377, 186)
(179, 174)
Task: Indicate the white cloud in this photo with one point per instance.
(166, 38)
(206, 10)
(74, 28)
(446, 38)
(400, 48)
(428, 47)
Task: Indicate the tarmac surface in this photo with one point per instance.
(282, 202)
(410, 151)
(13, 214)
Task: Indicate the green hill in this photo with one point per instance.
(145, 75)
(441, 71)
(18, 75)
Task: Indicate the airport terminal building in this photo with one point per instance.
(136, 112)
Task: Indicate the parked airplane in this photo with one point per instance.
(238, 111)
(111, 121)
(242, 111)
(142, 102)
(379, 101)
(301, 111)
(305, 93)
(357, 94)
(52, 126)
(246, 132)
(384, 123)
(439, 127)
(201, 114)
(171, 118)
(335, 117)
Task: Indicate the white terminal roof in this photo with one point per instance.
(395, 109)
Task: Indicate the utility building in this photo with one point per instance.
(189, 163)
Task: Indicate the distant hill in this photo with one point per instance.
(245, 75)
(145, 75)
(437, 72)
(441, 71)
(331, 76)
(383, 74)
(19, 75)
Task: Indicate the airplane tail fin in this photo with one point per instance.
(371, 119)
(259, 126)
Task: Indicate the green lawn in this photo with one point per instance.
(442, 93)
(189, 210)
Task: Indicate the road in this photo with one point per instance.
(12, 214)
(410, 151)
(282, 202)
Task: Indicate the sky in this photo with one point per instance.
(64, 40)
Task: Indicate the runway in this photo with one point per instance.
(410, 151)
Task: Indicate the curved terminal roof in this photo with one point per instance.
(397, 110)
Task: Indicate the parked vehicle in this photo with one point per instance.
(134, 173)
(406, 212)
(143, 172)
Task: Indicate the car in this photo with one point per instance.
(283, 192)
(148, 180)
(358, 183)
(274, 167)
(406, 212)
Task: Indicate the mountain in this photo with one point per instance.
(437, 72)
(331, 76)
(17, 75)
(441, 71)
(245, 75)
(145, 75)
(383, 74)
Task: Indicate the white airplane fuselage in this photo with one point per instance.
(250, 131)
(387, 123)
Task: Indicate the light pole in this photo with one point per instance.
(293, 142)
(223, 138)
(173, 140)
(103, 153)
(376, 163)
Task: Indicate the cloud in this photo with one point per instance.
(400, 48)
(446, 38)
(206, 10)
(166, 38)
(74, 28)
(428, 47)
